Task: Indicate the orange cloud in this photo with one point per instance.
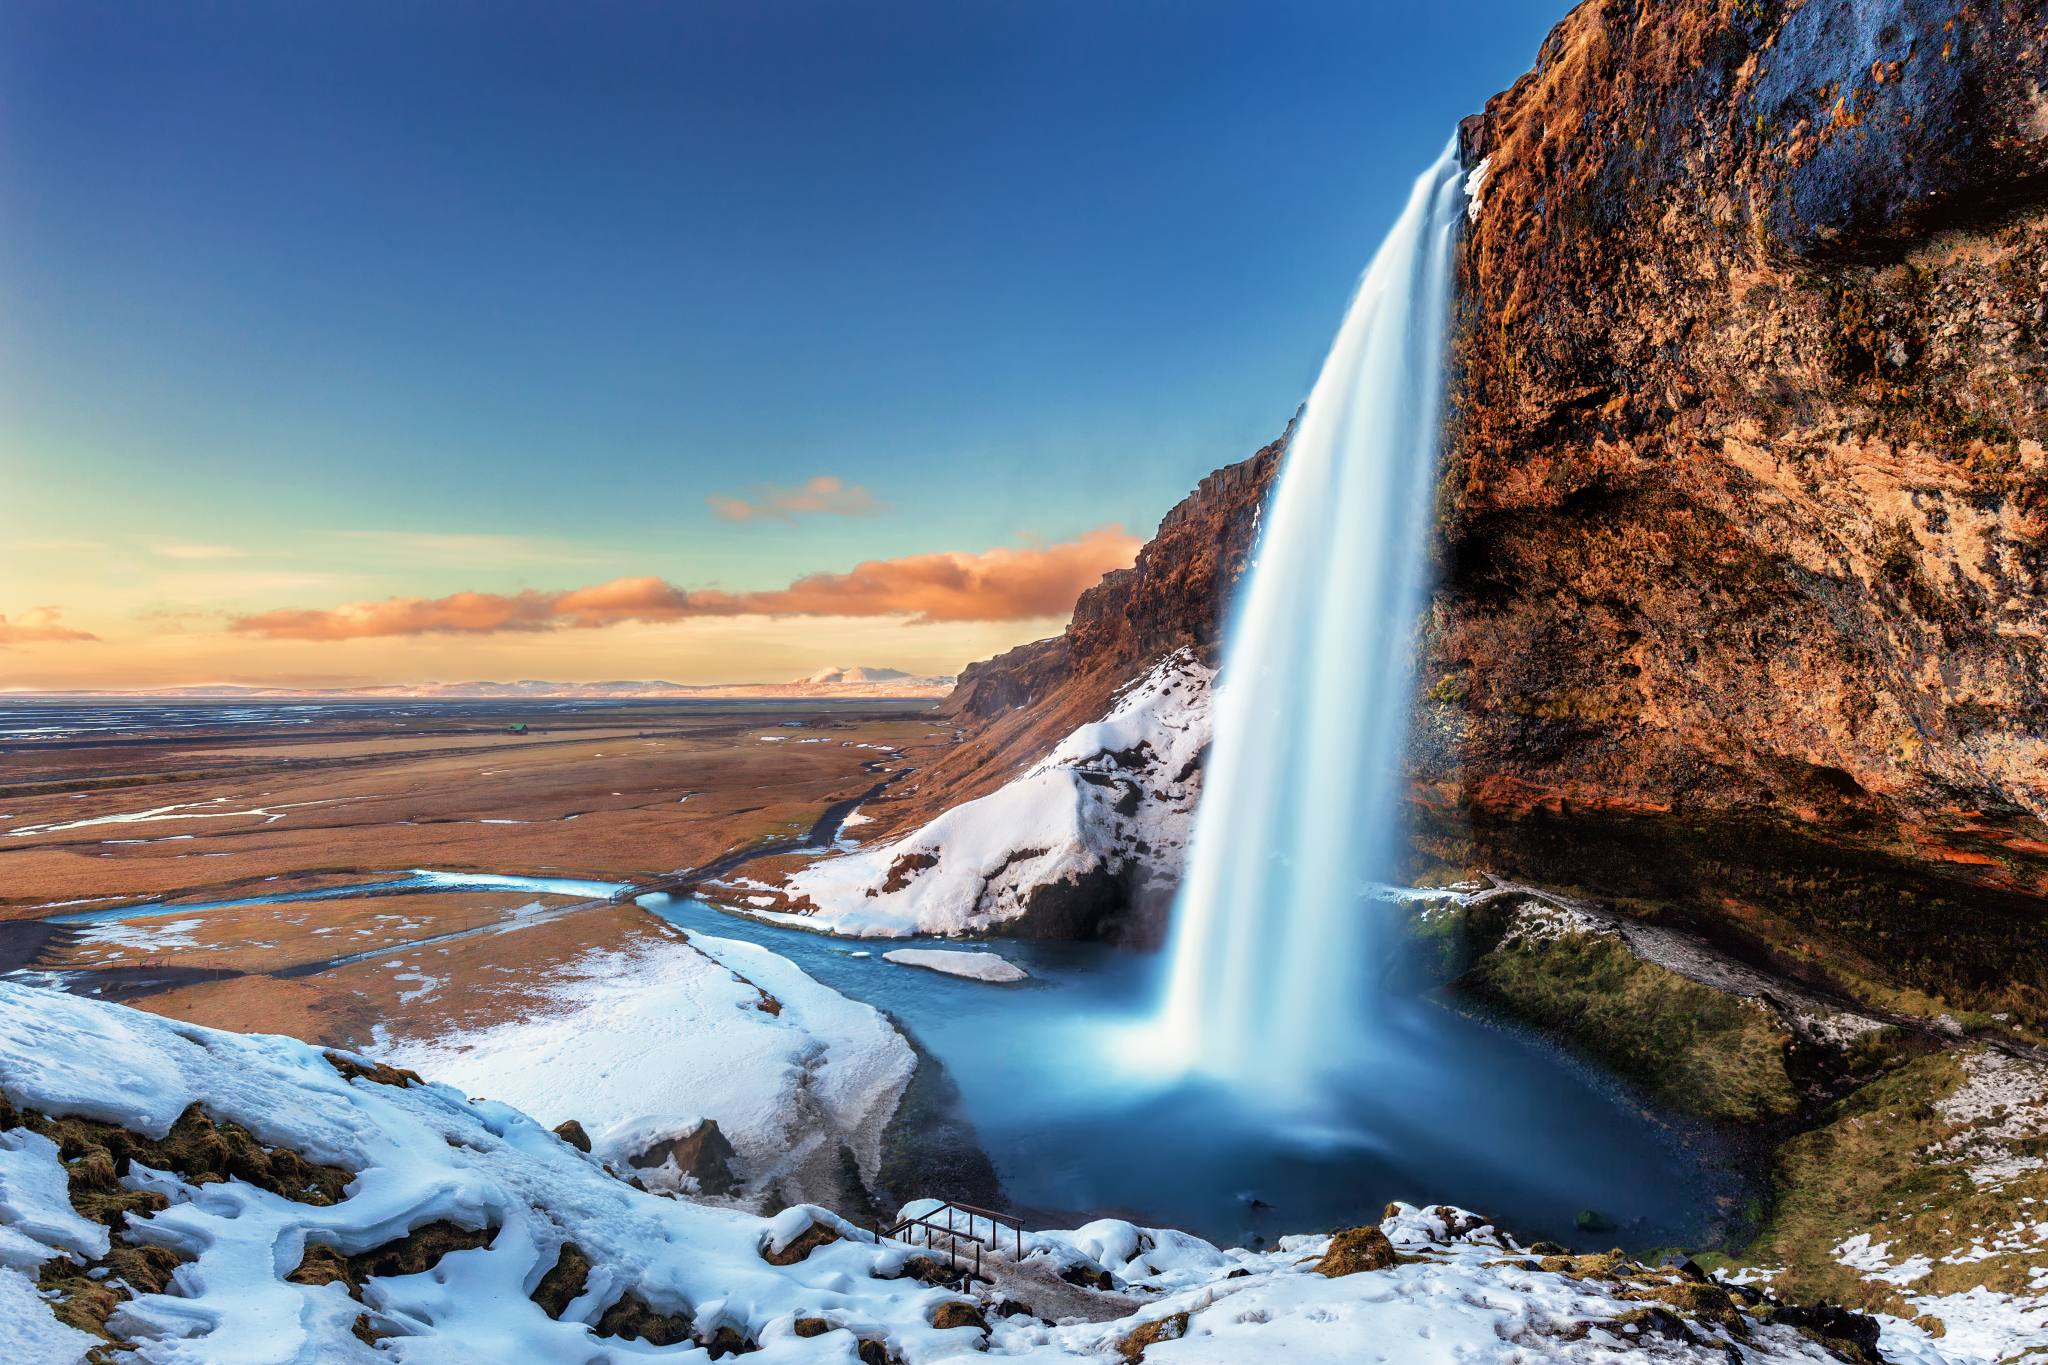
(1004, 584)
(38, 625)
(825, 493)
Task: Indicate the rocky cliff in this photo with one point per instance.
(1745, 495)
(1743, 523)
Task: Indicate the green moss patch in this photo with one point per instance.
(1886, 1162)
(1700, 1050)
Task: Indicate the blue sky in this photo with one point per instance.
(299, 301)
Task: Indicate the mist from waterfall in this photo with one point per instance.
(1272, 952)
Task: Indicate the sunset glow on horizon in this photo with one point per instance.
(706, 343)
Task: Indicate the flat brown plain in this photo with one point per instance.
(581, 795)
(621, 794)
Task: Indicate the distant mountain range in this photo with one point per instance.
(838, 681)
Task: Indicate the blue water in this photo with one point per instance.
(1446, 1107)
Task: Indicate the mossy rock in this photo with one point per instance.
(803, 1244)
(1701, 1050)
(1701, 1302)
(728, 1340)
(1597, 1265)
(634, 1318)
(417, 1251)
(959, 1313)
(85, 1296)
(1131, 1347)
(1660, 1322)
(565, 1281)
(1355, 1250)
(98, 1156)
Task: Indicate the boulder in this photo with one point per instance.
(1357, 1249)
(700, 1153)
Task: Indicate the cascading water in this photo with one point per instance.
(1272, 952)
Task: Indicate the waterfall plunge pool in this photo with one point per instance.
(1446, 1106)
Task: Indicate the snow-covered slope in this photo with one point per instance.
(416, 1155)
(638, 1045)
(438, 1229)
(1113, 801)
(840, 673)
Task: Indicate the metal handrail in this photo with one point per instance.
(928, 1222)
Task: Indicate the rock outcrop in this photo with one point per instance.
(1744, 515)
(1042, 821)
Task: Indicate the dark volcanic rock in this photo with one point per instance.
(704, 1154)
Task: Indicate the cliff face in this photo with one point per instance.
(1745, 507)
(1743, 524)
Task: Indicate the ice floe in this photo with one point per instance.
(974, 966)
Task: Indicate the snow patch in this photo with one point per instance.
(1462, 1293)
(1475, 188)
(1540, 921)
(1873, 1261)
(2003, 1101)
(146, 938)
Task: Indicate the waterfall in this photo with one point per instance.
(1272, 949)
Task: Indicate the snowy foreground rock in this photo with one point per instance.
(216, 1198)
(1113, 802)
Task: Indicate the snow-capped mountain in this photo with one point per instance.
(839, 673)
